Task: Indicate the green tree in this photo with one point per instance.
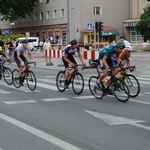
(143, 26)
(14, 9)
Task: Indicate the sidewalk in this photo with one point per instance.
(57, 62)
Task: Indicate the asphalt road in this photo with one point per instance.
(50, 120)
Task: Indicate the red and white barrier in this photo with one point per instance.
(53, 53)
(91, 55)
(58, 54)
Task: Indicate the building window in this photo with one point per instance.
(47, 15)
(41, 15)
(23, 19)
(136, 37)
(29, 18)
(35, 16)
(97, 10)
(54, 13)
(62, 13)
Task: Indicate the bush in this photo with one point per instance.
(11, 36)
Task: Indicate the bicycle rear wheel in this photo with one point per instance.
(120, 90)
(60, 81)
(31, 80)
(95, 88)
(78, 83)
(7, 75)
(16, 78)
(133, 84)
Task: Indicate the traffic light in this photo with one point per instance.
(101, 26)
(98, 26)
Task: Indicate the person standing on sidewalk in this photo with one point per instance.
(46, 48)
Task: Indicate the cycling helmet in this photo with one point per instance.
(24, 41)
(129, 48)
(121, 45)
(124, 54)
(74, 42)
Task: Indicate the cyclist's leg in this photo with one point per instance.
(66, 71)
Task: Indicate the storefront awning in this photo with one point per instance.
(109, 32)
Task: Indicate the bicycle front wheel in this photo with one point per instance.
(78, 83)
(7, 75)
(60, 81)
(120, 90)
(31, 80)
(16, 78)
(133, 84)
(95, 88)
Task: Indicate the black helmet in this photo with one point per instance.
(121, 44)
(74, 42)
(24, 41)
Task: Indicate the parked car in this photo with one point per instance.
(33, 42)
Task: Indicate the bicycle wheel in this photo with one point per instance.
(95, 88)
(78, 83)
(31, 80)
(133, 84)
(15, 78)
(7, 75)
(60, 81)
(120, 90)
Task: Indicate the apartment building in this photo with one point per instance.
(67, 19)
(136, 9)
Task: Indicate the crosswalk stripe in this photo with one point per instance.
(141, 78)
(4, 92)
(51, 87)
(20, 102)
(55, 99)
(22, 88)
(84, 97)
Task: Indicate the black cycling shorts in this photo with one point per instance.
(71, 58)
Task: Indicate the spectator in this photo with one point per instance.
(47, 47)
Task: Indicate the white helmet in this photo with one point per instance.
(129, 48)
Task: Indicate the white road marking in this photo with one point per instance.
(51, 87)
(137, 101)
(20, 102)
(22, 88)
(84, 97)
(4, 92)
(47, 137)
(117, 120)
(55, 99)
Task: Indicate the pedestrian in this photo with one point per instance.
(47, 47)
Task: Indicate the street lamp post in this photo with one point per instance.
(12, 24)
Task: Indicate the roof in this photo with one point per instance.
(104, 28)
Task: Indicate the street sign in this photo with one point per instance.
(6, 31)
(89, 26)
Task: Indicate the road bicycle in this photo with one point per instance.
(115, 86)
(6, 72)
(28, 76)
(75, 78)
(130, 80)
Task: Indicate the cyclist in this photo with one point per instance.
(20, 57)
(68, 59)
(108, 59)
(126, 53)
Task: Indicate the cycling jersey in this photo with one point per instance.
(21, 50)
(112, 55)
(69, 51)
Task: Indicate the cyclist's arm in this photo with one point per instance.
(105, 61)
(81, 58)
(66, 59)
(31, 56)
